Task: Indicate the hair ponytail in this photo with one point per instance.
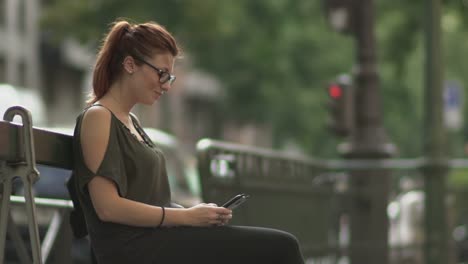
(126, 39)
(107, 68)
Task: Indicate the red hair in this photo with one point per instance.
(126, 39)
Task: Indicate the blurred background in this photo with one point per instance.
(253, 72)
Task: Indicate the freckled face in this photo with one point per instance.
(150, 88)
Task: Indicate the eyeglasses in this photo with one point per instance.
(164, 76)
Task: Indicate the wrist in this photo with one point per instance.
(163, 216)
(176, 217)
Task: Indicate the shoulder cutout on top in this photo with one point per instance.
(94, 136)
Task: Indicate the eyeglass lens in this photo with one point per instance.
(166, 77)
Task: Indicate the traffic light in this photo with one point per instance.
(341, 106)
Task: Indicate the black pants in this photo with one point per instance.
(220, 245)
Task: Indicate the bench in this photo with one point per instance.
(283, 191)
(21, 146)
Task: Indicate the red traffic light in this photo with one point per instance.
(340, 106)
(335, 91)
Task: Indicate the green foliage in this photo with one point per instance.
(400, 30)
(458, 186)
(275, 57)
(458, 179)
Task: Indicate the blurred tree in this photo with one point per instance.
(400, 29)
(275, 58)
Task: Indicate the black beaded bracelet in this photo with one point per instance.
(163, 216)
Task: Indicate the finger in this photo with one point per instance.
(227, 218)
(212, 204)
(214, 219)
(223, 211)
(220, 218)
(215, 216)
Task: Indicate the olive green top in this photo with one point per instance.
(138, 170)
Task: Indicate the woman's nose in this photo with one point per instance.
(166, 86)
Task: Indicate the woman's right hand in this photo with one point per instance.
(208, 215)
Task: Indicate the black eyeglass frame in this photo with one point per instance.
(161, 73)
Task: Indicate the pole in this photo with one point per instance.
(31, 36)
(435, 142)
(370, 188)
(12, 56)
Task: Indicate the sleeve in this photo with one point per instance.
(112, 166)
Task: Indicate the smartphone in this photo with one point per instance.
(236, 201)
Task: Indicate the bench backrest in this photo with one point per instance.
(51, 148)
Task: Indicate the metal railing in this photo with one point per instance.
(20, 148)
(324, 230)
(28, 174)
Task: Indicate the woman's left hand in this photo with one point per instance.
(223, 218)
(207, 215)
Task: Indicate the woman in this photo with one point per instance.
(121, 177)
